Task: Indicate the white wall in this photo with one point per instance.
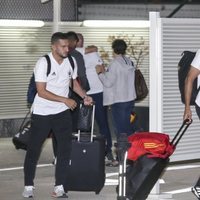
(169, 38)
(21, 47)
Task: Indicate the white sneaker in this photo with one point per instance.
(28, 192)
(59, 192)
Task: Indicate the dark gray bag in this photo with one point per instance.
(141, 88)
(84, 118)
(21, 138)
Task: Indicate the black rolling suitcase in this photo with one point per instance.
(87, 162)
(142, 174)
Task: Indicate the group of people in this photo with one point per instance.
(54, 110)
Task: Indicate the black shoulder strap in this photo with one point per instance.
(71, 61)
(72, 64)
(48, 64)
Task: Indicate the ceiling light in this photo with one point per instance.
(116, 23)
(45, 1)
(23, 23)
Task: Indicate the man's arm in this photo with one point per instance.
(77, 88)
(108, 78)
(193, 73)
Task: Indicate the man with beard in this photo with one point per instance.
(51, 111)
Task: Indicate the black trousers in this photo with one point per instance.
(61, 126)
(74, 115)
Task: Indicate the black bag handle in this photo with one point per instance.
(186, 123)
(24, 120)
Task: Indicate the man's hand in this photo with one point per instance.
(100, 69)
(88, 100)
(187, 114)
(70, 103)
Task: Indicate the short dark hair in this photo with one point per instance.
(58, 36)
(119, 46)
(71, 35)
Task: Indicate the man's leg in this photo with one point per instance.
(40, 128)
(62, 129)
(102, 119)
(121, 117)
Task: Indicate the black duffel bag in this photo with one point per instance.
(21, 139)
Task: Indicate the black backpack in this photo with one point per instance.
(184, 67)
(32, 90)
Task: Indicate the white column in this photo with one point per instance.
(155, 77)
(155, 123)
(56, 14)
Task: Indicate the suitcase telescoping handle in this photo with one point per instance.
(92, 127)
(186, 123)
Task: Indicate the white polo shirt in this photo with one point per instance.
(57, 81)
(196, 64)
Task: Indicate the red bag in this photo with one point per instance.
(150, 144)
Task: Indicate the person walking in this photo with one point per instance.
(51, 111)
(92, 58)
(81, 72)
(82, 79)
(119, 87)
(193, 73)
